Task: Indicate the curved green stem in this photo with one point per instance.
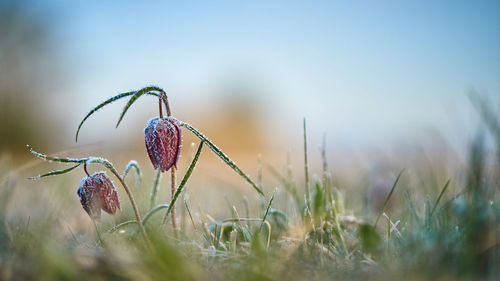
(153, 211)
(144, 220)
(55, 172)
(154, 190)
(132, 201)
(133, 165)
(184, 181)
(172, 203)
(120, 225)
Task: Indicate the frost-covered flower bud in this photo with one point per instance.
(163, 142)
(97, 192)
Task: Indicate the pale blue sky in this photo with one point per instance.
(364, 71)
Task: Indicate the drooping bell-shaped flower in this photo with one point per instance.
(97, 192)
(163, 142)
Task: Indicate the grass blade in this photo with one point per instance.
(267, 209)
(388, 197)
(55, 159)
(326, 173)
(55, 173)
(222, 156)
(306, 169)
(184, 180)
(439, 197)
(189, 213)
(108, 101)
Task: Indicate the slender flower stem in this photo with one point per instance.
(132, 201)
(174, 219)
(160, 111)
(85, 168)
(97, 232)
(154, 190)
(183, 181)
(164, 98)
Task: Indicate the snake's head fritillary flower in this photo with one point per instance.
(97, 192)
(163, 142)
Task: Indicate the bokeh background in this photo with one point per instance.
(384, 81)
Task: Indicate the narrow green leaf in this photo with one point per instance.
(184, 180)
(439, 197)
(306, 169)
(120, 225)
(222, 156)
(189, 213)
(326, 174)
(108, 101)
(88, 160)
(55, 159)
(55, 173)
(388, 197)
(147, 90)
(267, 209)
